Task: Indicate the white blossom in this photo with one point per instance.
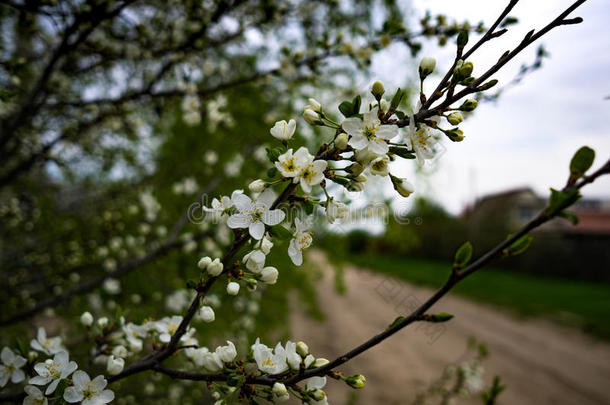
(215, 268)
(233, 288)
(86, 319)
(34, 397)
(255, 261)
(266, 245)
(227, 353)
(53, 371)
(11, 367)
(368, 132)
(302, 239)
(220, 207)
(87, 391)
(257, 186)
(46, 345)
(283, 130)
(207, 314)
(167, 327)
(379, 166)
(336, 210)
(421, 141)
(269, 275)
(292, 164)
(269, 361)
(114, 365)
(255, 215)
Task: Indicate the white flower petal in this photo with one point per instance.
(273, 217)
(353, 126)
(257, 230)
(358, 141)
(238, 221)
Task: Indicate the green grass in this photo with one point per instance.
(581, 304)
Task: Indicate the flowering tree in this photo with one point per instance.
(372, 133)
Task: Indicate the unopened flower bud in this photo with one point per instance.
(119, 351)
(114, 365)
(356, 381)
(314, 105)
(341, 141)
(215, 268)
(266, 246)
(102, 322)
(257, 186)
(318, 394)
(86, 319)
(384, 105)
(302, 349)
(269, 275)
(233, 288)
(455, 118)
(403, 187)
(426, 66)
(207, 314)
(466, 69)
(361, 178)
(279, 389)
(377, 90)
(355, 169)
(32, 355)
(469, 105)
(356, 187)
(320, 362)
(455, 134)
(204, 262)
(311, 117)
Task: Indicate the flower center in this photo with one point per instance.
(268, 363)
(304, 240)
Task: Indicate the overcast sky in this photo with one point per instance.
(528, 137)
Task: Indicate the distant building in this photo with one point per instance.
(559, 248)
(514, 208)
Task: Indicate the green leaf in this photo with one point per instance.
(440, 317)
(582, 161)
(509, 21)
(356, 105)
(271, 172)
(462, 39)
(519, 246)
(346, 109)
(561, 200)
(396, 322)
(401, 115)
(463, 255)
(396, 99)
(21, 347)
(280, 232)
(273, 153)
(402, 152)
(570, 216)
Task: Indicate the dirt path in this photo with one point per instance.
(541, 363)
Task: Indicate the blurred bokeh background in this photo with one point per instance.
(120, 119)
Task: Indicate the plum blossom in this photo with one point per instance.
(226, 353)
(292, 165)
(302, 239)
(283, 130)
(421, 141)
(255, 215)
(315, 385)
(167, 327)
(87, 391)
(302, 168)
(221, 207)
(53, 371)
(312, 175)
(11, 367)
(269, 361)
(35, 396)
(46, 345)
(255, 261)
(368, 132)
